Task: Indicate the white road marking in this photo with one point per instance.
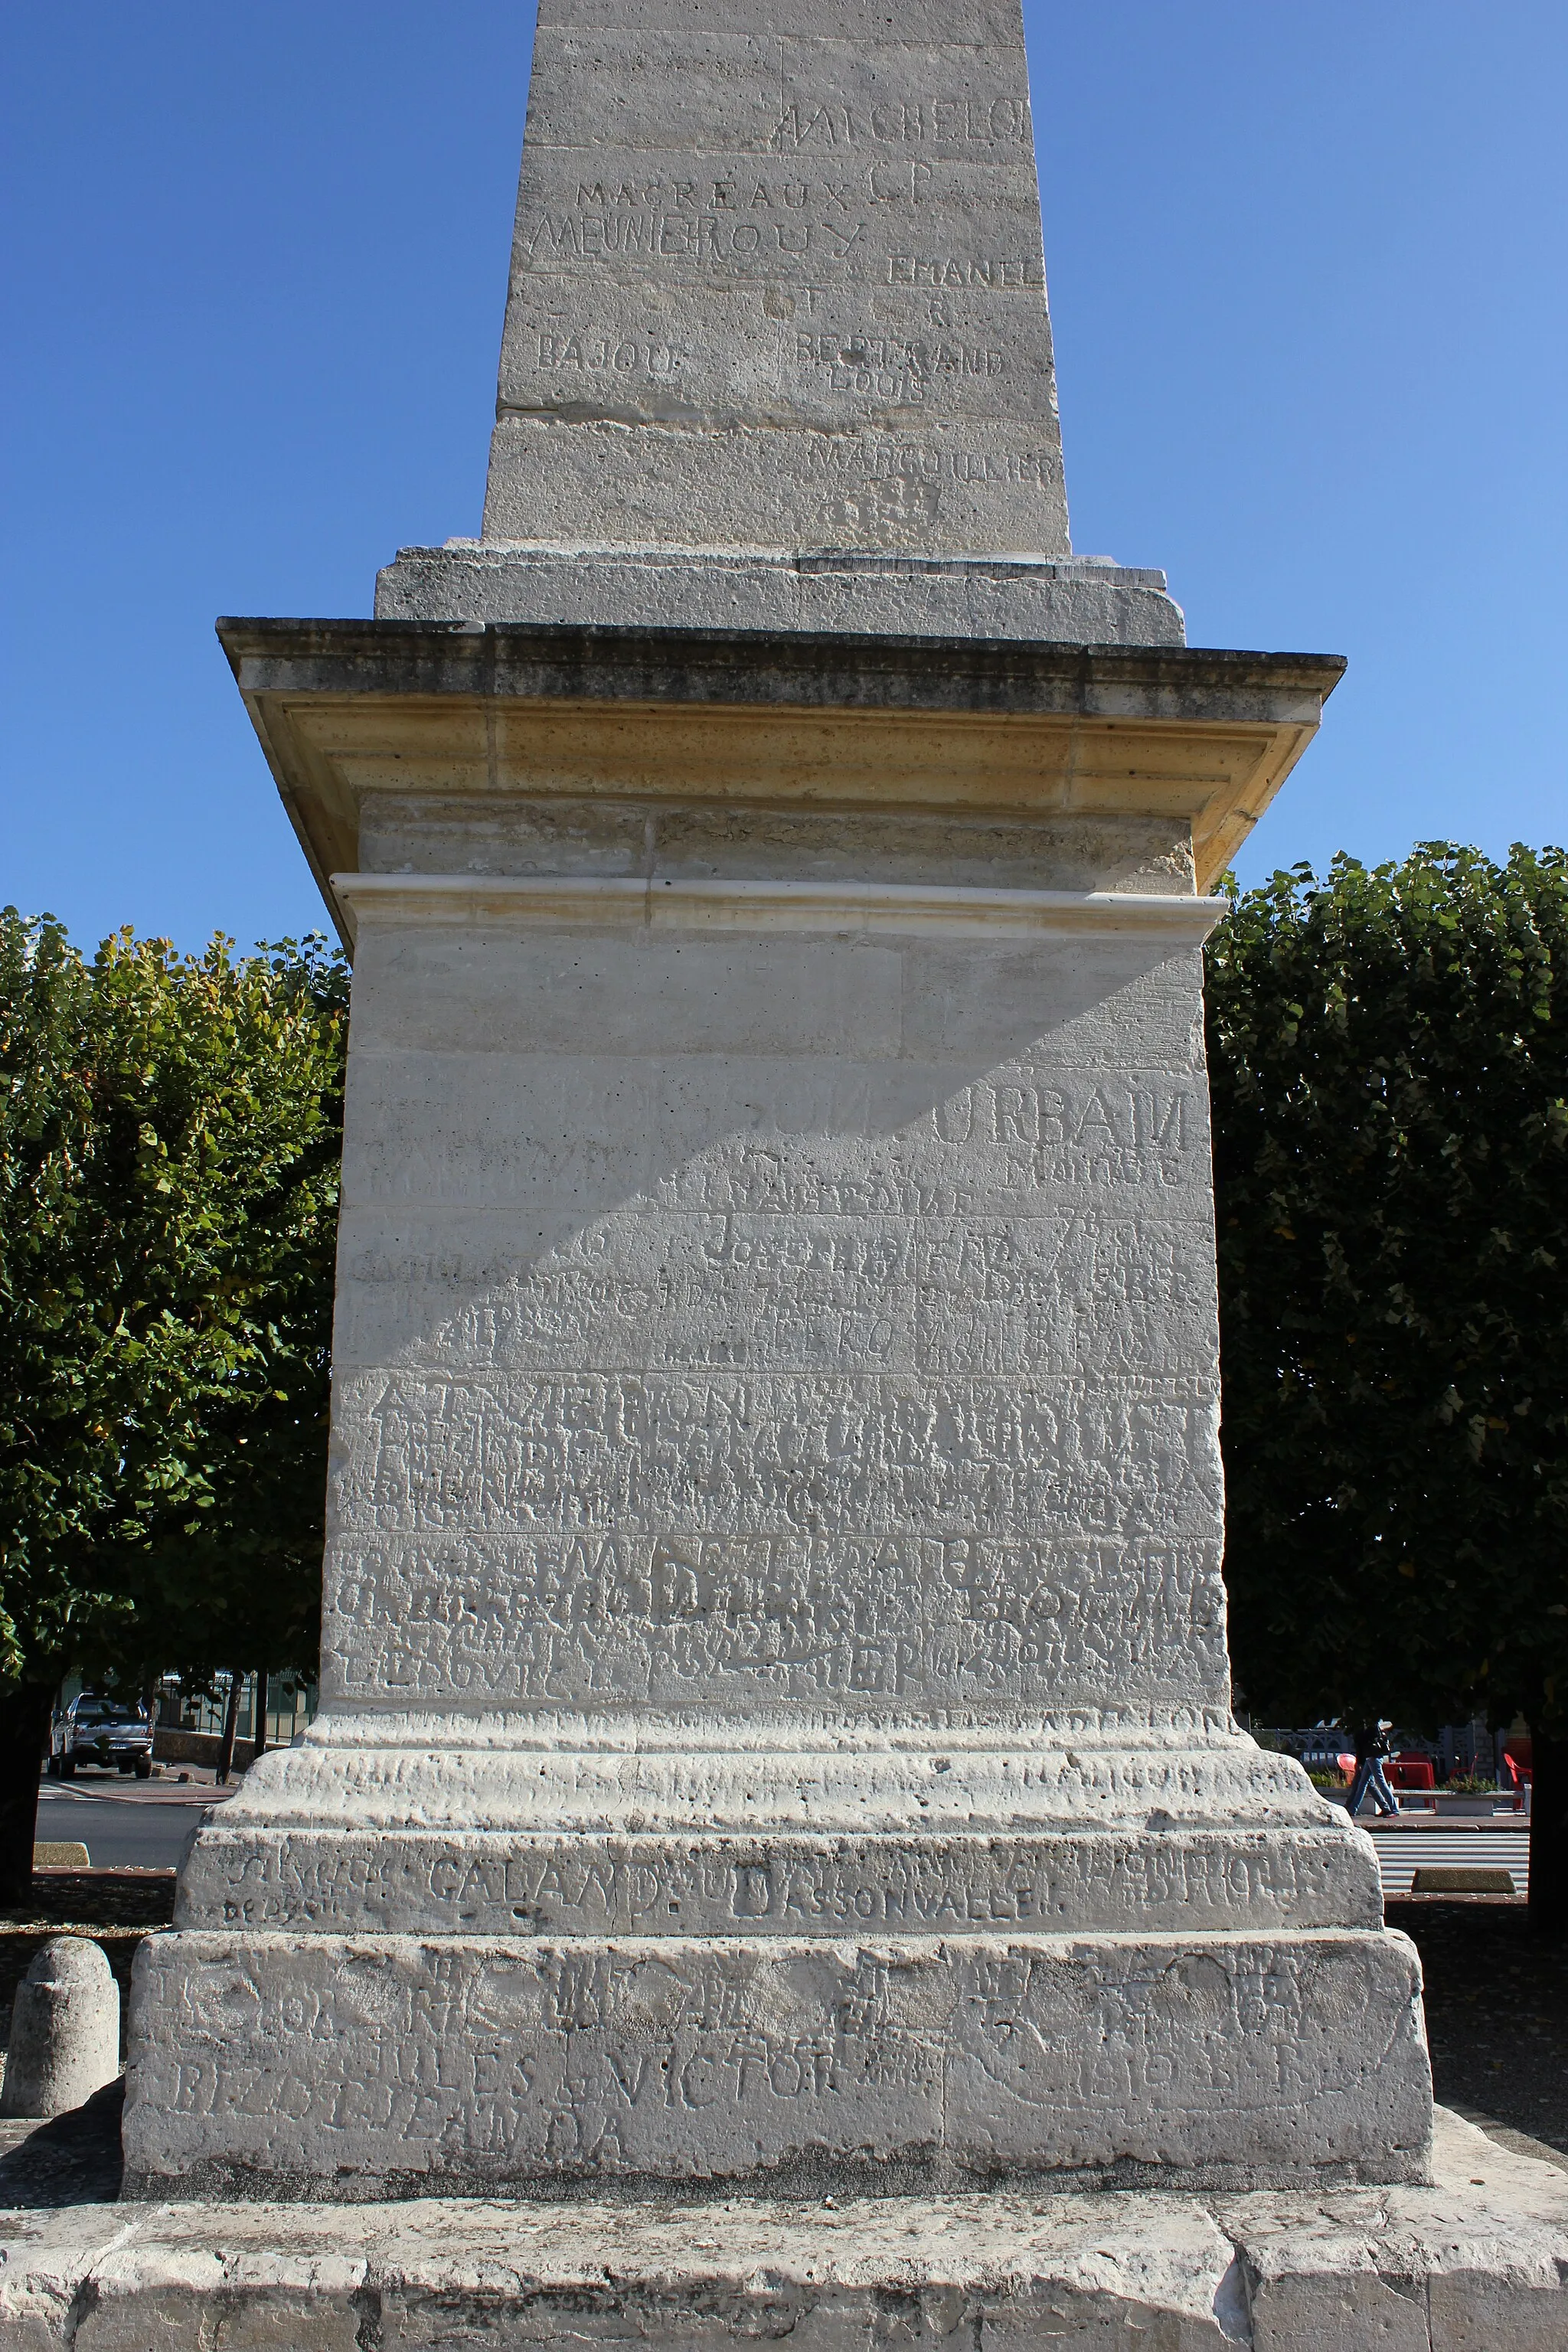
(1401, 1852)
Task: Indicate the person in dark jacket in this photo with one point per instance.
(1372, 1745)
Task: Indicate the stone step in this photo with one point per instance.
(503, 1881)
(1479, 2258)
(376, 2065)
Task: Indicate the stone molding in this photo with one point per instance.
(1011, 677)
(345, 709)
(299, 1877)
(652, 902)
(1071, 600)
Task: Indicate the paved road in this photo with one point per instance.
(1400, 1852)
(118, 1828)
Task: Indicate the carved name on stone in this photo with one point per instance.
(813, 252)
(813, 2059)
(502, 1883)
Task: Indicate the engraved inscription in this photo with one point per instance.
(670, 1290)
(516, 2061)
(497, 1884)
(594, 354)
(952, 269)
(764, 1618)
(826, 1139)
(890, 366)
(776, 1377)
(703, 219)
(717, 1451)
(830, 123)
(549, 241)
(920, 468)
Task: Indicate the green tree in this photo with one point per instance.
(1389, 1056)
(170, 1130)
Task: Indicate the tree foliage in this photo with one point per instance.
(1389, 1060)
(1389, 1057)
(170, 1132)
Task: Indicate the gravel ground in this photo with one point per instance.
(94, 1899)
(117, 1907)
(74, 2160)
(1496, 2016)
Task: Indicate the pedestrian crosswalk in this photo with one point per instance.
(1401, 1852)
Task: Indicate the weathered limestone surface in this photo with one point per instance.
(777, 353)
(1479, 2259)
(1082, 600)
(808, 238)
(65, 2030)
(924, 2060)
(774, 1547)
(492, 1882)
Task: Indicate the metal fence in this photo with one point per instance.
(289, 1707)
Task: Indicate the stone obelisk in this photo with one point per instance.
(777, 306)
(775, 1726)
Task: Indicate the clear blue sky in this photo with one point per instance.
(1307, 274)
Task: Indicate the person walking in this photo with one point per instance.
(1372, 1745)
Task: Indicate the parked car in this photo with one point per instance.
(105, 1731)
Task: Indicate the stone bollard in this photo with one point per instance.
(65, 2030)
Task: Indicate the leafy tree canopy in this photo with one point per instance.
(170, 1132)
(1389, 1060)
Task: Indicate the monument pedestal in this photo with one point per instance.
(775, 1727)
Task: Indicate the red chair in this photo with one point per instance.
(1411, 1769)
(1520, 1776)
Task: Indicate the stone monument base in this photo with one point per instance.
(775, 1734)
(1478, 2259)
(878, 1964)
